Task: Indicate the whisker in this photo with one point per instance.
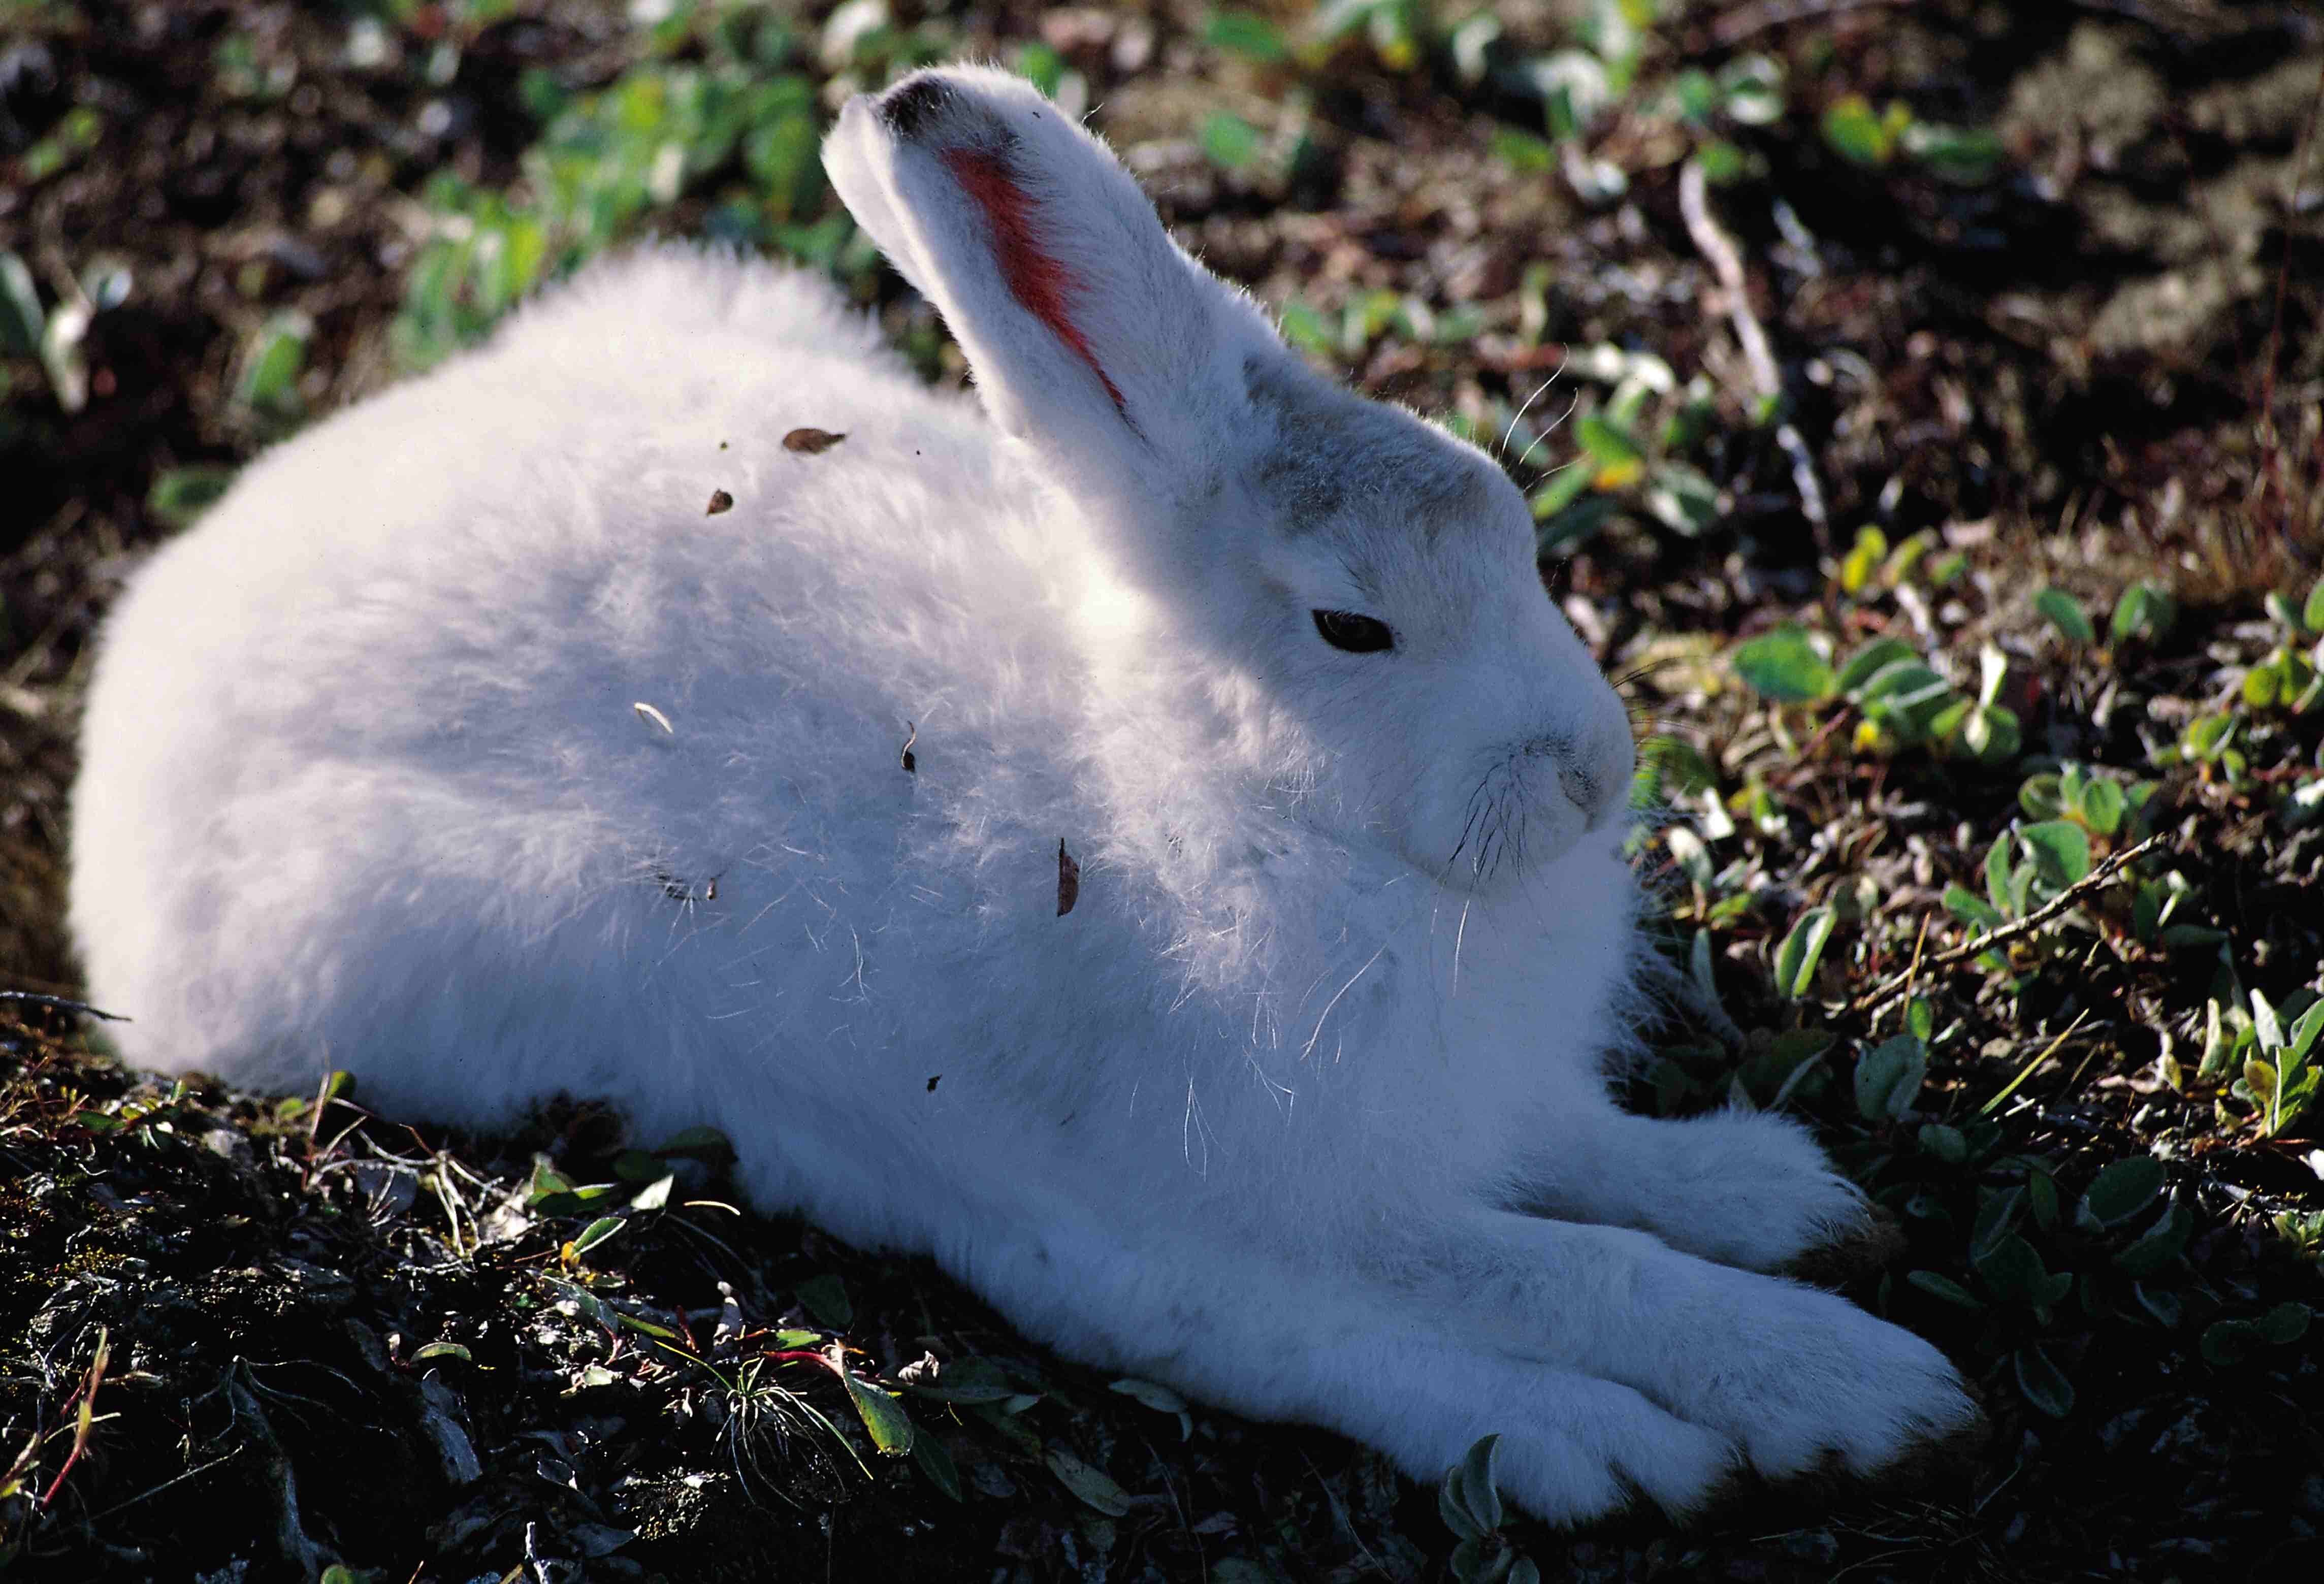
(1519, 416)
(1545, 434)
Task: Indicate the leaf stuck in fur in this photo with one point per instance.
(647, 711)
(720, 501)
(1069, 880)
(911, 765)
(812, 442)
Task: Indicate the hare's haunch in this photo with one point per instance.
(1248, 870)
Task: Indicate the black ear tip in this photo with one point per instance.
(907, 106)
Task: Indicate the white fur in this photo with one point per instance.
(1277, 1112)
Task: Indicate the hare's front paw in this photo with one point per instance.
(1754, 1190)
(1802, 1379)
(1744, 1188)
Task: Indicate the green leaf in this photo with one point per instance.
(1888, 1077)
(2265, 1028)
(2282, 1325)
(883, 1415)
(1041, 66)
(183, 493)
(1683, 498)
(1951, 1292)
(1965, 154)
(1093, 1487)
(1971, 908)
(1851, 126)
(2102, 806)
(596, 1232)
(1723, 163)
(1944, 1142)
(2041, 1198)
(1247, 34)
(2042, 797)
(2163, 1243)
(2302, 1040)
(1453, 1506)
(2066, 614)
(2044, 1384)
(547, 1182)
(2143, 611)
(1998, 1212)
(825, 1298)
(1864, 559)
(2001, 887)
(1905, 696)
(2120, 1191)
(2312, 614)
(1796, 958)
(1609, 445)
(2061, 849)
(968, 1381)
(441, 1350)
(2013, 1269)
(655, 1194)
(1305, 328)
(1871, 660)
(1783, 664)
(2233, 1341)
(274, 361)
(1484, 1499)
(2207, 737)
(1678, 768)
(1523, 152)
(1992, 733)
(934, 1461)
(22, 317)
(1228, 140)
(1160, 1398)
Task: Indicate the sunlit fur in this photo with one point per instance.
(1278, 1113)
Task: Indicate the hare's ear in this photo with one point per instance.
(1090, 333)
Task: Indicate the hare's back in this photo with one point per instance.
(462, 713)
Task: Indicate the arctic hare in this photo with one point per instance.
(465, 746)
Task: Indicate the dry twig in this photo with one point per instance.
(1718, 248)
(1872, 1000)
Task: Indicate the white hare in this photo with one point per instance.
(463, 748)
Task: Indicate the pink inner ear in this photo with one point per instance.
(1038, 281)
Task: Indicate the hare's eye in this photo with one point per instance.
(1358, 635)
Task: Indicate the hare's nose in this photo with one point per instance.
(1594, 769)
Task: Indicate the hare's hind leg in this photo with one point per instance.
(1744, 1188)
(1574, 1446)
(1316, 1345)
(1794, 1376)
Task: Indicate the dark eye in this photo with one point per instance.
(1358, 635)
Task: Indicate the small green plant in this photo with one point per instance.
(2118, 1254)
(2292, 676)
(1902, 700)
(2280, 1076)
(1632, 450)
(2230, 1342)
(1471, 1508)
(1873, 138)
(2145, 611)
